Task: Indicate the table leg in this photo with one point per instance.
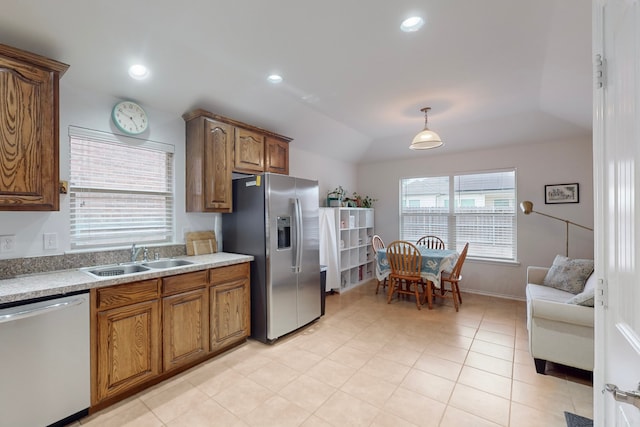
(429, 294)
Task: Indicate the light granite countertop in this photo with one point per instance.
(62, 282)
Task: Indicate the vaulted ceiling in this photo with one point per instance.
(494, 72)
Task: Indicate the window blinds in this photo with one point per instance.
(121, 190)
(478, 208)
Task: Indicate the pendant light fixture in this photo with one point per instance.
(427, 138)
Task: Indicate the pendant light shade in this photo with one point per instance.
(427, 138)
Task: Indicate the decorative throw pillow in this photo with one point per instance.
(568, 274)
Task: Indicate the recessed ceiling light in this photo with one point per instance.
(275, 78)
(412, 24)
(138, 72)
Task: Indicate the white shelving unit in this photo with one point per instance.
(356, 262)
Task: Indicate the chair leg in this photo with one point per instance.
(390, 289)
(454, 294)
(416, 291)
(459, 294)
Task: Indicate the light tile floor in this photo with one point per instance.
(369, 363)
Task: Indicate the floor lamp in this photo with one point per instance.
(527, 208)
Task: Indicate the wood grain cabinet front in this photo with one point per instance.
(185, 319)
(143, 332)
(248, 155)
(216, 146)
(230, 305)
(209, 148)
(126, 336)
(29, 131)
(277, 156)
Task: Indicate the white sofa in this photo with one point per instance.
(558, 332)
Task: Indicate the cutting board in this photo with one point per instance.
(201, 242)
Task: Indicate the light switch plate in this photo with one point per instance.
(7, 243)
(50, 241)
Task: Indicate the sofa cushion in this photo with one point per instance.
(568, 274)
(547, 293)
(549, 303)
(587, 296)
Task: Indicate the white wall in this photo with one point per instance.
(539, 238)
(90, 110)
(330, 173)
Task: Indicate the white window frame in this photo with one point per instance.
(90, 231)
(443, 218)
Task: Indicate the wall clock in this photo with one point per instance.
(129, 117)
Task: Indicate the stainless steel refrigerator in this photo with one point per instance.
(275, 219)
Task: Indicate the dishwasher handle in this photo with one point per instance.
(11, 317)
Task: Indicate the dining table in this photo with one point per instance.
(434, 262)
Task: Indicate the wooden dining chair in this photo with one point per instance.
(432, 242)
(377, 243)
(449, 280)
(405, 262)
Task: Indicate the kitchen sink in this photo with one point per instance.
(167, 263)
(116, 270)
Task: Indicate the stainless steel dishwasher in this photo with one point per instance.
(44, 361)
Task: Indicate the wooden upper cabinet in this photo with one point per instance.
(277, 156)
(248, 153)
(29, 131)
(216, 147)
(208, 165)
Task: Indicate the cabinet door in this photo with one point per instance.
(217, 166)
(185, 328)
(248, 151)
(28, 137)
(128, 348)
(230, 316)
(277, 156)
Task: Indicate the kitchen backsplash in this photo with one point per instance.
(21, 266)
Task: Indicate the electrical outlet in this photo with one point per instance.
(50, 241)
(7, 243)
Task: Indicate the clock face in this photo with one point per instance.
(129, 117)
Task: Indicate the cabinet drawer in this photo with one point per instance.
(127, 293)
(224, 274)
(184, 282)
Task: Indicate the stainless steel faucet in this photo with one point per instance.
(134, 252)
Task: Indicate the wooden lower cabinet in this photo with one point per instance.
(230, 305)
(185, 332)
(127, 348)
(146, 331)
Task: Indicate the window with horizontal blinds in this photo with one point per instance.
(121, 190)
(479, 208)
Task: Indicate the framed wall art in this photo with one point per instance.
(561, 193)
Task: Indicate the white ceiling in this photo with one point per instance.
(495, 72)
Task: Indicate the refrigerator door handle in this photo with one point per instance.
(297, 215)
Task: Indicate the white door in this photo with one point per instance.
(616, 37)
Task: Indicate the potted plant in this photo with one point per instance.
(362, 202)
(335, 197)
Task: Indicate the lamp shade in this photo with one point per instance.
(527, 207)
(426, 138)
